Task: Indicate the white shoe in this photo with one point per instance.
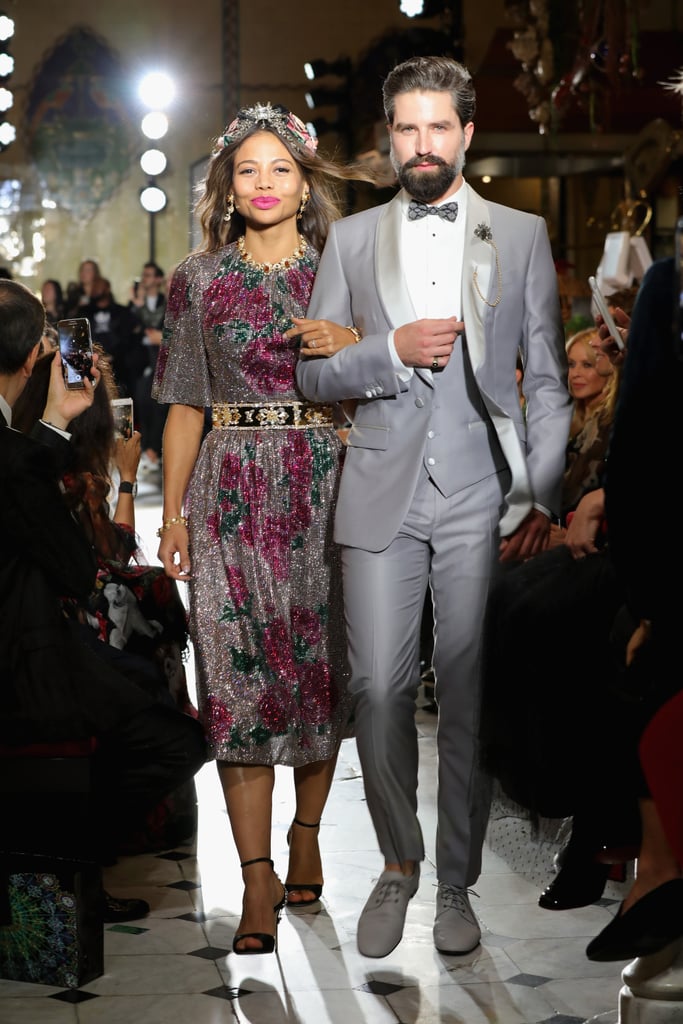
(380, 925)
(456, 929)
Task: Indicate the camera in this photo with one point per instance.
(75, 346)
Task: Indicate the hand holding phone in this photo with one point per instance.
(75, 346)
(603, 310)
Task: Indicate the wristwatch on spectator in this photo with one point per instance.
(126, 487)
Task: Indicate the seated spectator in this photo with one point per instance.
(134, 616)
(53, 686)
(529, 731)
(640, 483)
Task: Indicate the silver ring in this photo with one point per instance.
(435, 363)
(311, 344)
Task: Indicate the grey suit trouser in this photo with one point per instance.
(450, 544)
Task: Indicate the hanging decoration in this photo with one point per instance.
(573, 57)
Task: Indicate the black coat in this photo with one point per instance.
(51, 685)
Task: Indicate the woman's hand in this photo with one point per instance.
(127, 451)
(320, 337)
(174, 552)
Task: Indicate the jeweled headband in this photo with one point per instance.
(277, 117)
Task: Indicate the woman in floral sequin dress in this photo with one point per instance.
(248, 510)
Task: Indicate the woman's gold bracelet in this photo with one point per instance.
(356, 333)
(168, 523)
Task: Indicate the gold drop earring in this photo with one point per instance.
(303, 204)
(230, 209)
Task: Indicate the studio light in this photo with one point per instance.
(8, 132)
(424, 8)
(157, 90)
(153, 199)
(319, 68)
(153, 162)
(325, 98)
(6, 28)
(154, 125)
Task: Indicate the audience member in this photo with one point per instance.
(594, 395)
(148, 302)
(134, 617)
(78, 293)
(53, 686)
(640, 483)
(118, 331)
(528, 734)
(53, 301)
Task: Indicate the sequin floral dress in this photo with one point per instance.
(265, 596)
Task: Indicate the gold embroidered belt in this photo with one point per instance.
(271, 414)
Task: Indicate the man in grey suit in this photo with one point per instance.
(443, 478)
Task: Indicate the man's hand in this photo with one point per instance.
(64, 404)
(530, 538)
(426, 342)
(584, 524)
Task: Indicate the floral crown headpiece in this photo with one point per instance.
(276, 117)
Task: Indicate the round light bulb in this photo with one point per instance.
(153, 162)
(154, 125)
(153, 199)
(157, 90)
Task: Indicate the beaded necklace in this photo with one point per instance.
(269, 268)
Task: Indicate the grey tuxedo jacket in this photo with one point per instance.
(361, 281)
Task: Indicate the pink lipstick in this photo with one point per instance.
(265, 202)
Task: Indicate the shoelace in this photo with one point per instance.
(453, 898)
(387, 891)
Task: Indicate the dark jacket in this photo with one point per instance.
(51, 685)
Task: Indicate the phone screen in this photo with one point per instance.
(75, 346)
(123, 416)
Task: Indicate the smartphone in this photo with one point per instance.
(601, 305)
(123, 416)
(75, 345)
(136, 286)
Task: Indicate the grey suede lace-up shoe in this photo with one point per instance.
(456, 929)
(380, 925)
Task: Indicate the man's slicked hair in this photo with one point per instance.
(431, 74)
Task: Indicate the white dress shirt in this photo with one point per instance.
(432, 256)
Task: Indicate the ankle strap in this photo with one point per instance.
(256, 860)
(306, 824)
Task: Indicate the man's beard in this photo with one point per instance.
(426, 186)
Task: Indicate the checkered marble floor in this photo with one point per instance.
(176, 965)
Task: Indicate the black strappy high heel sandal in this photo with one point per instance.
(316, 888)
(268, 942)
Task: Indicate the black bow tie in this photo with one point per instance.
(449, 211)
